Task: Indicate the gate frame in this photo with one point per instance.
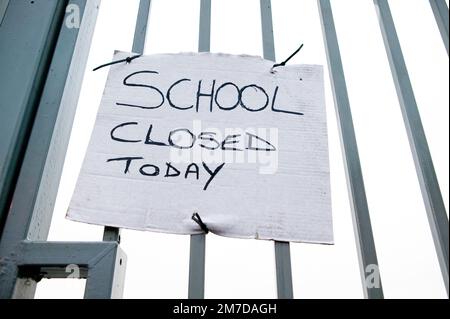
(56, 74)
(48, 81)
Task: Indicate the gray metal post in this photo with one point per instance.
(140, 33)
(282, 249)
(204, 39)
(106, 275)
(283, 270)
(431, 193)
(22, 81)
(440, 11)
(39, 96)
(196, 289)
(358, 201)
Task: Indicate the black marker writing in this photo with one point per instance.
(126, 83)
(212, 173)
(127, 159)
(203, 91)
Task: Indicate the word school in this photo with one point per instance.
(214, 94)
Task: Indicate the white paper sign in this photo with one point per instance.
(216, 134)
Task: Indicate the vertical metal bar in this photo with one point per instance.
(440, 11)
(106, 277)
(196, 289)
(358, 201)
(267, 30)
(22, 81)
(431, 193)
(36, 26)
(111, 234)
(283, 270)
(282, 249)
(30, 44)
(204, 38)
(140, 33)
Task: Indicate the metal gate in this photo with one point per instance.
(38, 102)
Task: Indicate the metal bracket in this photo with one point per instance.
(101, 263)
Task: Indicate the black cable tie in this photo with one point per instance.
(196, 218)
(127, 60)
(285, 61)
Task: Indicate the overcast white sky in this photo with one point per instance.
(237, 268)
